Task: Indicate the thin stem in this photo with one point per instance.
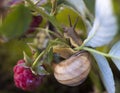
(35, 63)
(95, 51)
(80, 47)
(49, 31)
(47, 16)
(101, 53)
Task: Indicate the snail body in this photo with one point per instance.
(74, 70)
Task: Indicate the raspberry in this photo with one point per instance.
(36, 20)
(24, 78)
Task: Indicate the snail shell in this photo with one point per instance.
(74, 70)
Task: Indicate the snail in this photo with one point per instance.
(70, 33)
(77, 64)
(74, 70)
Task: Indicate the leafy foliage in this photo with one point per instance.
(17, 22)
(105, 25)
(115, 54)
(101, 31)
(106, 72)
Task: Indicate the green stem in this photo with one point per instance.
(47, 16)
(95, 51)
(36, 62)
(79, 48)
(101, 53)
(49, 31)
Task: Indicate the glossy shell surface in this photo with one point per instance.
(74, 70)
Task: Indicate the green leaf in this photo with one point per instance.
(50, 56)
(106, 73)
(79, 5)
(41, 71)
(115, 54)
(32, 47)
(63, 15)
(17, 22)
(105, 25)
(28, 60)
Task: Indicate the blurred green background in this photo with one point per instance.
(12, 51)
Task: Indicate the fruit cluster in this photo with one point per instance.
(24, 78)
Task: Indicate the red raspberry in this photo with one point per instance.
(36, 20)
(24, 78)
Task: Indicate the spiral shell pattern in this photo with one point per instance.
(74, 70)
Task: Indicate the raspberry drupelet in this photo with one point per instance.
(24, 78)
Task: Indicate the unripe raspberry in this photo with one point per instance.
(24, 78)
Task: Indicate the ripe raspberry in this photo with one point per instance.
(36, 20)
(24, 78)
